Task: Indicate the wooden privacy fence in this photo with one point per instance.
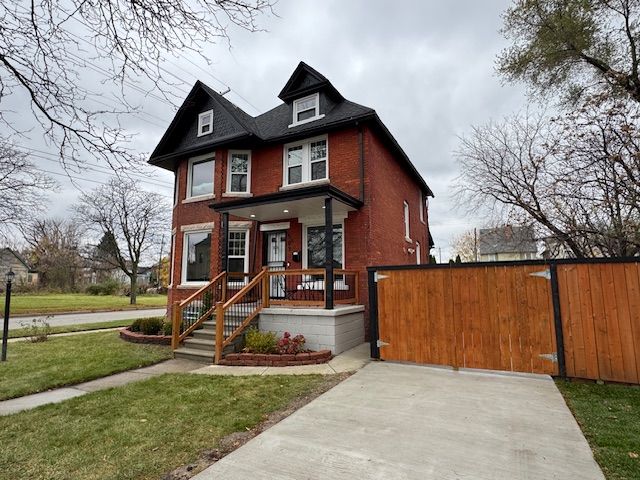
(565, 317)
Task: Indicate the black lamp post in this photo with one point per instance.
(9, 276)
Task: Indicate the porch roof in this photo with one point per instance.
(291, 203)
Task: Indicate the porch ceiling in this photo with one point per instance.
(302, 202)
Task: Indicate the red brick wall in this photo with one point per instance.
(373, 235)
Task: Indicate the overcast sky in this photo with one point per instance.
(426, 67)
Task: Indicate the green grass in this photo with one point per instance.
(609, 416)
(34, 303)
(141, 430)
(34, 367)
(82, 327)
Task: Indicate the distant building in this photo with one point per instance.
(25, 273)
(507, 243)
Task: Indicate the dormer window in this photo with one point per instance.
(306, 109)
(205, 123)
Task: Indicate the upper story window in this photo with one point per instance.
(421, 206)
(406, 222)
(200, 176)
(306, 161)
(239, 172)
(205, 123)
(306, 109)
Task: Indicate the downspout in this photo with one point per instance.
(361, 155)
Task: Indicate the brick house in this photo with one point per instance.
(266, 191)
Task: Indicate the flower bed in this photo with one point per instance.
(137, 337)
(276, 359)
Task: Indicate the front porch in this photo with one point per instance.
(303, 227)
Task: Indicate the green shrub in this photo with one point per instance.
(167, 327)
(108, 287)
(260, 342)
(149, 326)
(135, 326)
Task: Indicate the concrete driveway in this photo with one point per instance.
(391, 421)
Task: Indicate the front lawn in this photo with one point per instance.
(82, 327)
(143, 429)
(34, 367)
(609, 416)
(34, 303)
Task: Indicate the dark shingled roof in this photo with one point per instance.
(507, 239)
(232, 124)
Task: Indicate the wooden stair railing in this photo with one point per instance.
(235, 315)
(193, 311)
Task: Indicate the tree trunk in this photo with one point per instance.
(134, 286)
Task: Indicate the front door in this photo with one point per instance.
(276, 260)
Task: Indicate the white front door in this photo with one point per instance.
(276, 260)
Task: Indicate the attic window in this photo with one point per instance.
(205, 123)
(306, 109)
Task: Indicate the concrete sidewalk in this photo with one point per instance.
(348, 361)
(8, 407)
(392, 421)
(91, 317)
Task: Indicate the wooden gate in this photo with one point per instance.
(576, 318)
(492, 317)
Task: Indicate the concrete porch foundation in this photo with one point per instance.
(337, 330)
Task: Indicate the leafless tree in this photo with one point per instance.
(23, 189)
(132, 220)
(465, 246)
(575, 176)
(53, 247)
(47, 47)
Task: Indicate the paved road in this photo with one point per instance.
(391, 421)
(78, 318)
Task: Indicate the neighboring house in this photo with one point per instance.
(25, 273)
(269, 181)
(507, 243)
(553, 248)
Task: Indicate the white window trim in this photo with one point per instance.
(407, 219)
(241, 283)
(201, 124)
(306, 163)
(274, 227)
(188, 197)
(185, 254)
(418, 253)
(229, 192)
(421, 206)
(173, 258)
(317, 116)
(175, 188)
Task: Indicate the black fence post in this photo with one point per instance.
(328, 244)
(557, 320)
(373, 314)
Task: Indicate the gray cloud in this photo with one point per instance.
(427, 67)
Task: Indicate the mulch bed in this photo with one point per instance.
(276, 360)
(137, 337)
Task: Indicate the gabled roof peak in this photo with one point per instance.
(305, 80)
